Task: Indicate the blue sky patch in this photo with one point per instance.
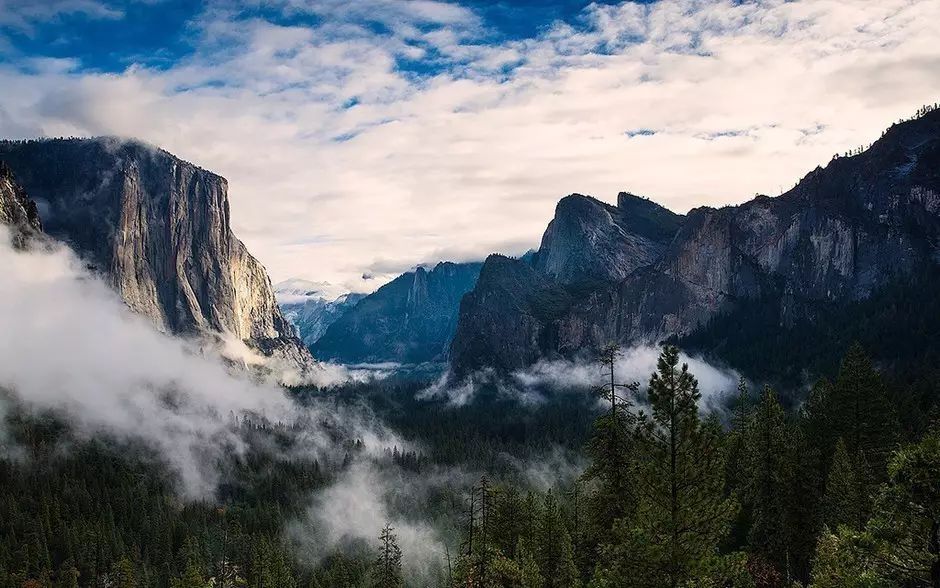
(160, 33)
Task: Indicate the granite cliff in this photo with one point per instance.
(409, 320)
(17, 210)
(157, 228)
(636, 273)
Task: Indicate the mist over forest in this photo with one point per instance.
(469, 294)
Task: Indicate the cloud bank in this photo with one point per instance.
(382, 134)
(73, 347)
(559, 376)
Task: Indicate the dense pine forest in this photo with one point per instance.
(842, 490)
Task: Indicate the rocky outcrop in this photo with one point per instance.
(157, 228)
(409, 320)
(842, 233)
(17, 210)
(589, 239)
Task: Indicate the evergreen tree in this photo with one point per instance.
(556, 553)
(67, 576)
(529, 574)
(269, 565)
(768, 476)
(123, 574)
(737, 437)
(862, 413)
(803, 518)
(610, 451)
(388, 564)
(839, 563)
(843, 501)
(192, 573)
(905, 528)
(816, 422)
(736, 463)
(507, 520)
(681, 513)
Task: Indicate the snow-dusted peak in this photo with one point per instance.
(298, 290)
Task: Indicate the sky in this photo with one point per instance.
(362, 138)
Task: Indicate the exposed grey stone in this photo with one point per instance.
(840, 234)
(157, 228)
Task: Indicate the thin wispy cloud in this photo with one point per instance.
(382, 134)
(24, 16)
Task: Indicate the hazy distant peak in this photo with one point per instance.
(297, 290)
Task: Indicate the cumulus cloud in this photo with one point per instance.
(73, 347)
(401, 130)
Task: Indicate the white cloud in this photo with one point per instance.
(73, 347)
(338, 160)
(24, 15)
(633, 365)
(547, 377)
(361, 501)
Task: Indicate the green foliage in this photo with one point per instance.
(862, 413)
(844, 501)
(530, 576)
(555, 556)
(100, 512)
(610, 450)
(898, 325)
(681, 512)
(656, 506)
(387, 572)
(905, 529)
(123, 574)
(840, 563)
(768, 477)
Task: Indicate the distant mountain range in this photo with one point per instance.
(852, 250)
(409, 320)
(637, 273)
(313, 306)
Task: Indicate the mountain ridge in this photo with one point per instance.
(311, 307)
(409, 320)
(842, 233)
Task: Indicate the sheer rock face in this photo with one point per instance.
(158, 228)
(589, 239)
(17, 210)
(840, 234)
(409, 320)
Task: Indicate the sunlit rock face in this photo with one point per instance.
(17, 211)
(602, 275)
(157, 228)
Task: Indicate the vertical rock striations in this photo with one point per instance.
(158, 228)
(17, 210)
(409, 320)
(638, 273)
